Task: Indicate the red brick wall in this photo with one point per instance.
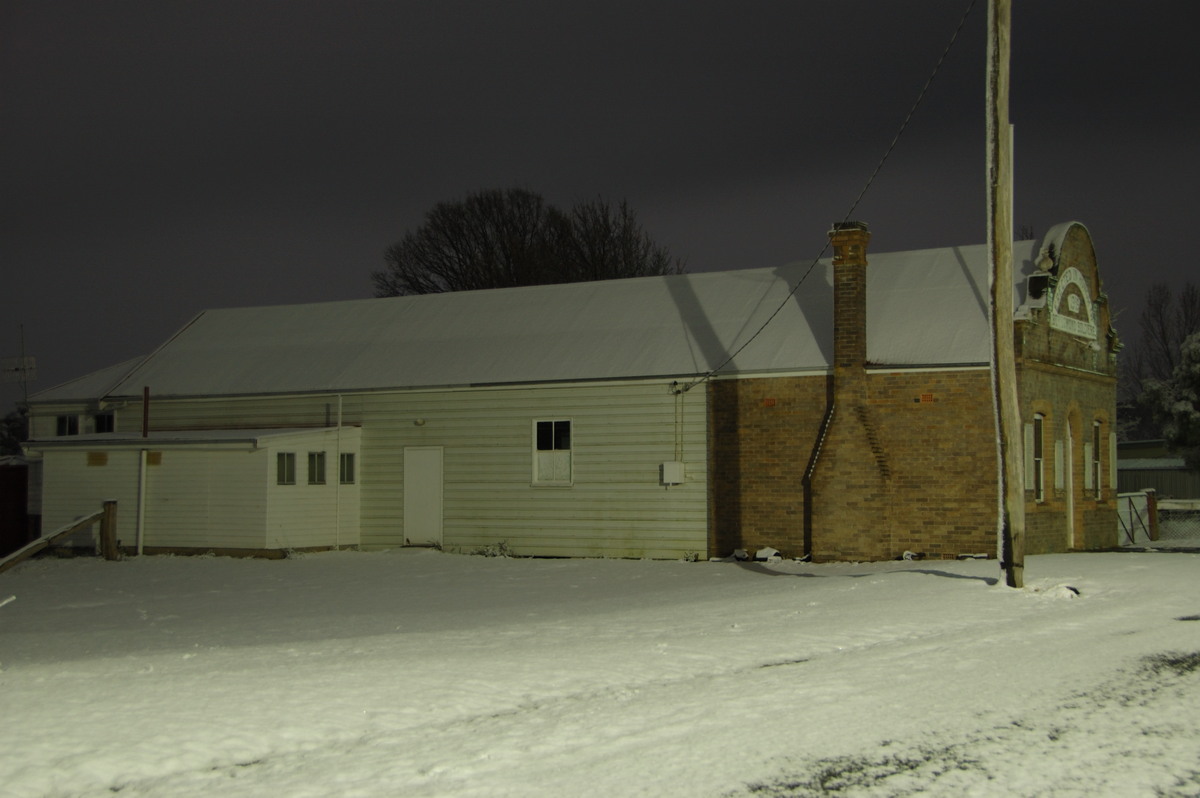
(914, 469)
(761, 435)
(1074, 400)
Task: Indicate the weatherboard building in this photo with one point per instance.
(843, 413)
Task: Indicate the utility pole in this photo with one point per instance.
(1011, 527)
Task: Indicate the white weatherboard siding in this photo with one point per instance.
(72, 489)
(205, 489)
(616, 506)
(308, 516)
(203, 498)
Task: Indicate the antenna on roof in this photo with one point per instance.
(22, 369)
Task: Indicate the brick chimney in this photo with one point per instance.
(849, 240)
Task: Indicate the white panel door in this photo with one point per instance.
(423, 495)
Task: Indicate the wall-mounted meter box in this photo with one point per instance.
(671, 473)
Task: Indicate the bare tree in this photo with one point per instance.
(501, 238)
(1166, 321)
(604, 242)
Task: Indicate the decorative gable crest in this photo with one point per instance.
(1071, 305)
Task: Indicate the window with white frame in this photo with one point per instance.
(66, 425)
(552, 452)
(346, 468)
(316, 468)
(285, 468)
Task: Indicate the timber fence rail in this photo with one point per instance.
(106, 543)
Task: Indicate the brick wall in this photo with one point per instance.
(1071, 403)
(761, 435)
(911, 469)
(914, 469)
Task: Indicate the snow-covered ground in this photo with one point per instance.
(417, 673)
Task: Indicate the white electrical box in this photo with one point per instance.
(672, 473)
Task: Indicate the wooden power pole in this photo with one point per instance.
(1004, 372)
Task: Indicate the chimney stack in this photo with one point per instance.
(849, 240)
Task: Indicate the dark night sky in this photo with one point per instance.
(160, 157)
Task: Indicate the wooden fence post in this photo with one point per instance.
(108, 532)
(1152, 513)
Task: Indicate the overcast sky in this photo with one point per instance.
(160, 157)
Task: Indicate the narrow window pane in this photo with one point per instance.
(562, 435)
(1039, 460)
(316, 468)
(545, 436)
(285, 468)
(346, 468)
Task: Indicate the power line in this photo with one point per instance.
(853, 206)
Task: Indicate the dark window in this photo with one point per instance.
(285, 468)
(346, 468)
(105, 422)
(1039, 460)
(316, 468)
(68, 425)
(553, 435)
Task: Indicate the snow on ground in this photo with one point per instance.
(418, 673)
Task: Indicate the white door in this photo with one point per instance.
(423, 495)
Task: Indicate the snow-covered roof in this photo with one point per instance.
(254, 438)
(925, 307)
(89, 386)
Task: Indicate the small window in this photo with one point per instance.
(1097, 479)
(552, 452)
(105, 422)
(316, 468)
(67, 425)
(285, 468)
(346, 468)
(1037, 450)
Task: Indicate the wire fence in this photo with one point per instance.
(1179, 524)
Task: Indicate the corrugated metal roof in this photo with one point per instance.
(926, 307)
(89, 386)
